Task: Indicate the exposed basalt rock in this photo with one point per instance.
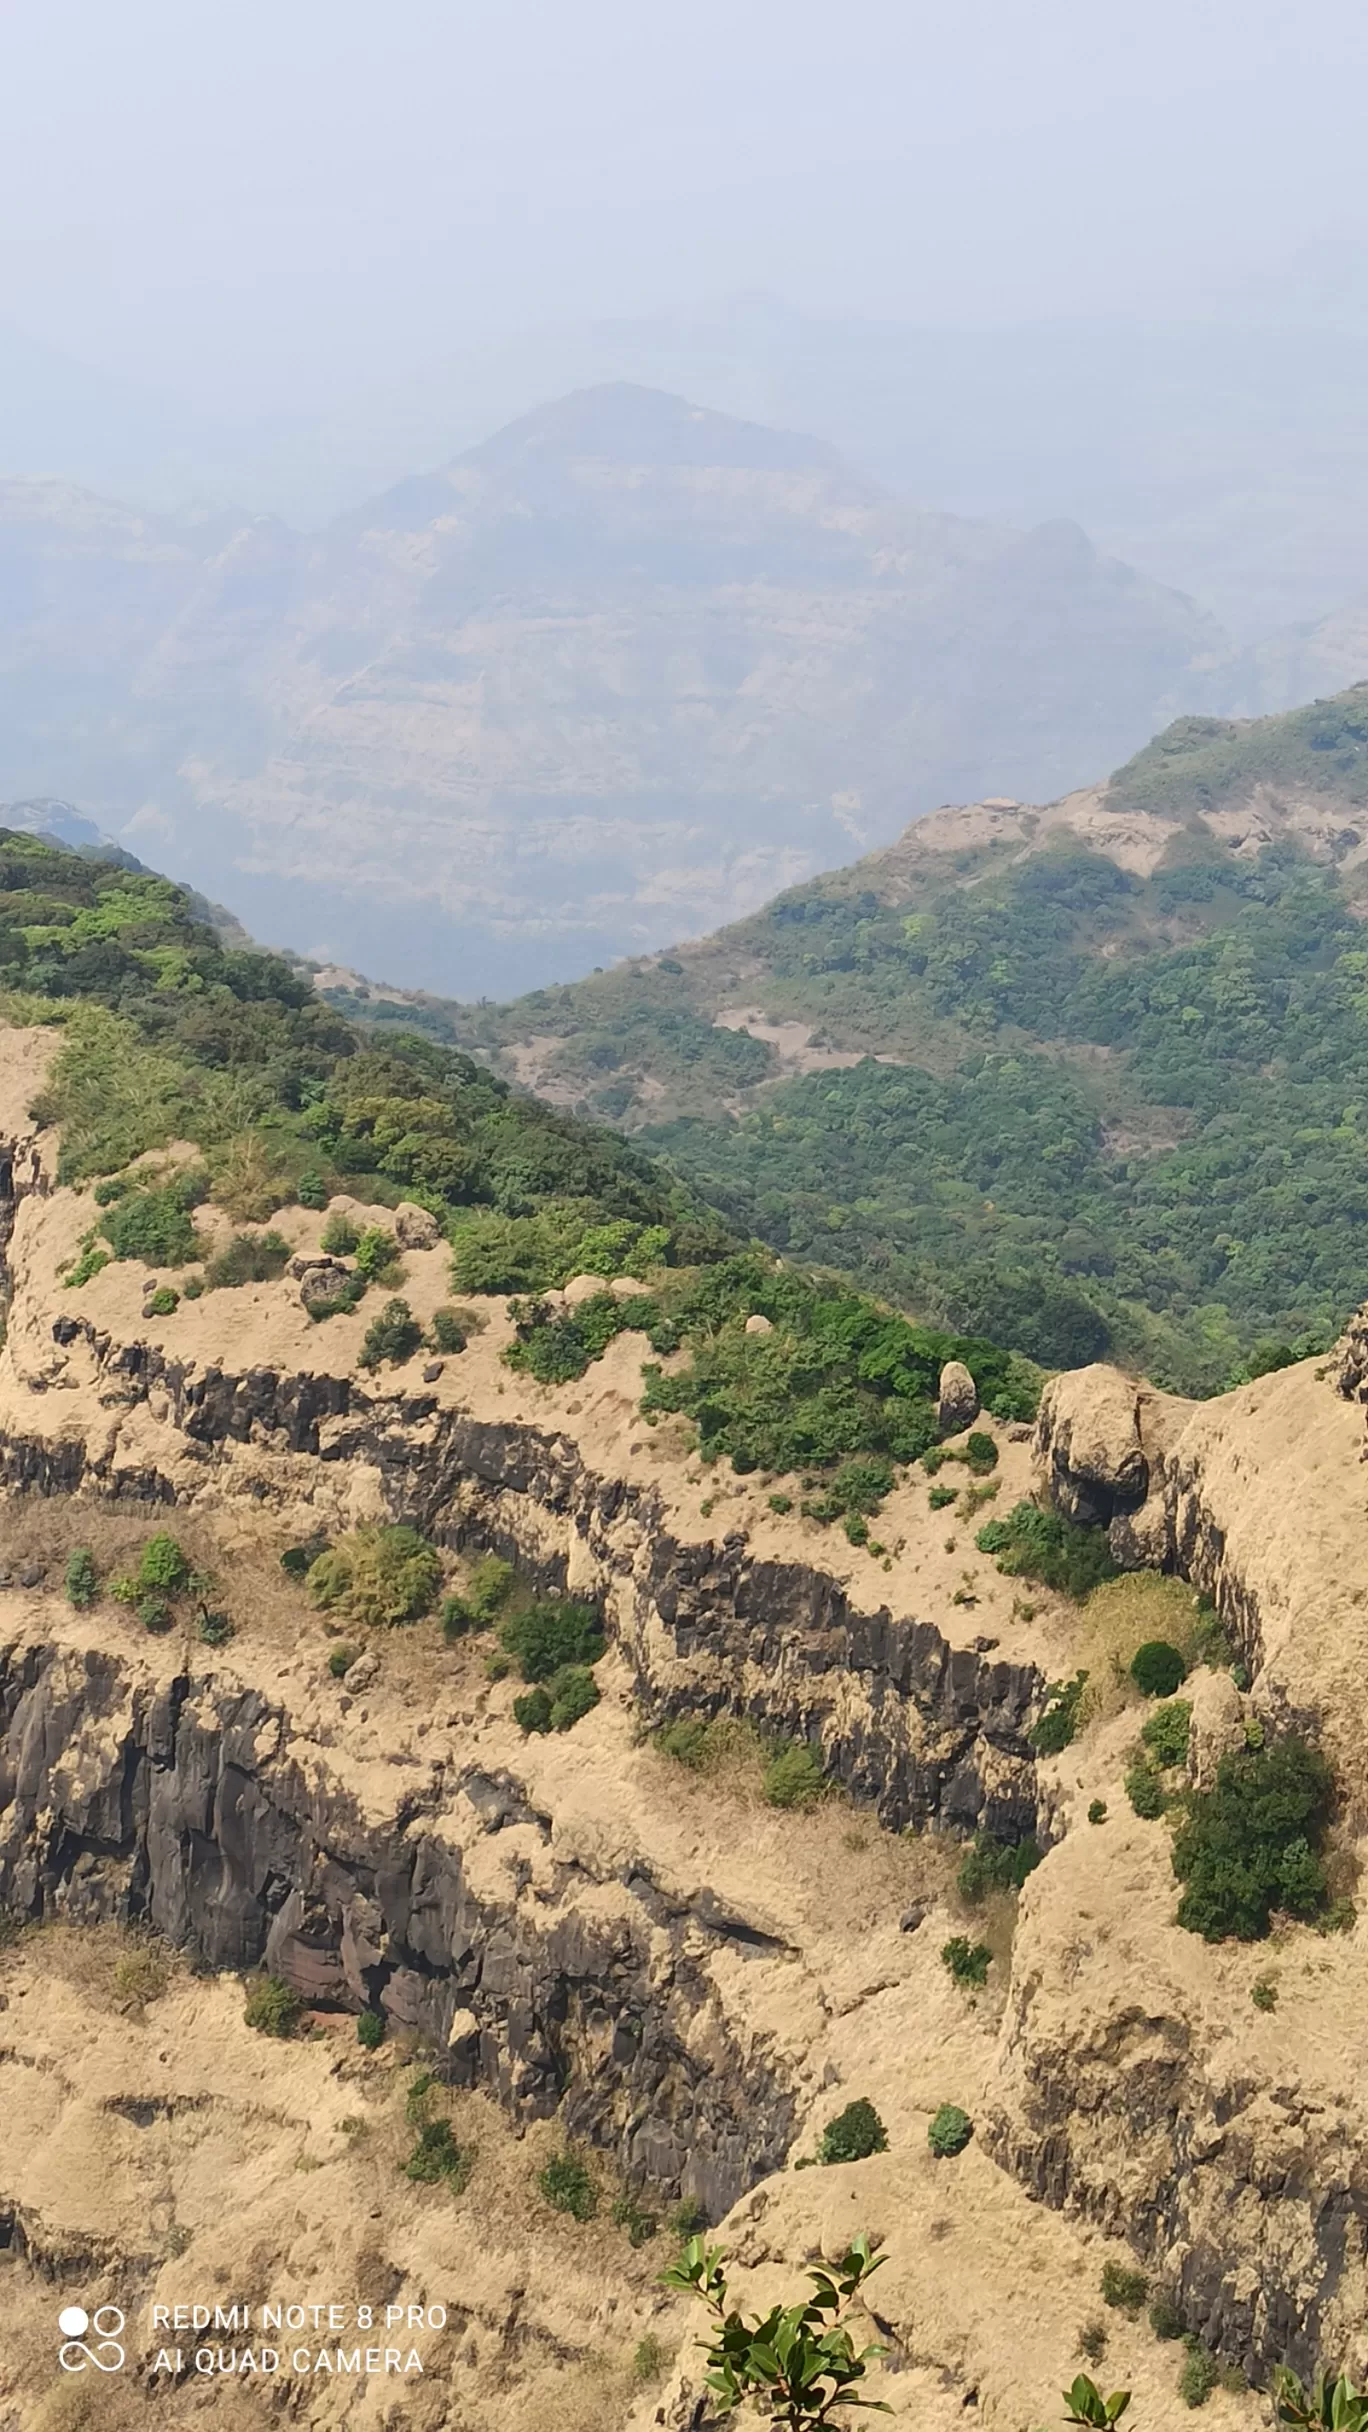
(1349, 1360)
(1089, 1442)
(185, 1807)
(921, 1730)
(958, 1400)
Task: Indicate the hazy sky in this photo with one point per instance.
(259, 201)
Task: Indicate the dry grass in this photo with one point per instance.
(1118, 1618)
(114, 1967)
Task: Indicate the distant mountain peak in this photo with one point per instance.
(623, 420)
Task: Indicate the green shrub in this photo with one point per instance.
(1165, 2320)
(1097, 1811)
(252, 1258)
(1124, 2287)
(1034, 1544)
(491, 1584)
(1058, 1725)
(370, 2030)
(82, 1579)
(853, 2134)
(949, 2131)
(966, 1960)
(781, 1503)
(687, 2219)
(1166, 1732)
(794, 1777)
(91, 1260)
(560, 1703)
(996, 1866)
(1145, 1790)
(272, 2008)
(1264, 1994)
(311, 1191)
(394, 1336)
(214, 1629)
(1199, 2375)
(340, 1235)
(981, 1452)
(375, 1254)
(377, 1577)
(1092, 2341)
(193, 1288)
(1251, 1843)
(340, 1303)
(546, 1636)
(341, 1660)
(457, 1619)
(437, 2159)
(154, 1225)
(448, 1334)
(641, 2226)
(418, 2097)
(164, 1566)
(297, 1560)
(156, 1615)
(1157, 1668)
(650, 2360)
(565, 2184)
(941, 1497)
(688, 1740)
(163, 1302)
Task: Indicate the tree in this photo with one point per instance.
(799, 2361)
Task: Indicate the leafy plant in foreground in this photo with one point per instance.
(1087, 2405)
(1328, 2404)
(798, 2362)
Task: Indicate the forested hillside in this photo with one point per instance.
(1096, 1075)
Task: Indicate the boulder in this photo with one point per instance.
(629, 1287)
(1088, 1438)
(415, 1228)
(319, 1278)
(583, 1287)
(757, 1324)
(361, 1674)
(958, 1398)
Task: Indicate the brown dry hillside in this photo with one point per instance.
(588, 1942)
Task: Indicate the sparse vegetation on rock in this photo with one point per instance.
(566, 2184)
(967, 1961)
(794, 1777)
(377, 1577)
(272, 2007)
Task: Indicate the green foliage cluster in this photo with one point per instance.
(794, 1777)
(394, 1336)
(797, 2363)
(950, 2131)
(437, 2160)
(566, 2184)
(1032, 1543)
(370, 2030)
(1124, 2287)
(853, 2134)
(1144, 1787)
(550, 1632)
(377, 1576)
(1058, 1726)
(1158, 1668)
(996, 1866)
(560, 1702)
(967, 1961)
(272, 2008)
(1199, 2375)
(82, 1579)
(1167, 1731)
(250, 1258)
(156, 1224)
(1252, 1842)
(164, 1575)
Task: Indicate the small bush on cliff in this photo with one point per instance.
(82, 1579)
(377, 1577)
(1034, 1544)
(341, 1660)
(253, 1258)
(376, 1258)
(981, 1452)
(340, 1234)
(272, 2008)
(1157, 1668)
(1167, 1732)
(448, 1333)
(996, 1866)
(1165, 2317)
(491, 1584)
(565, 2184)
(370, 2030)
(164, 1568)
(967, 1961)
(154, 1225)
(547, 1635)
(559, 1704)
(1058, 1725)
(949, 2131)
(394, 1336)
(794, 1777)
(1199, 2375)
(853, 2134)
(1251, 1843)
(1124, 2287)
(438, 2160)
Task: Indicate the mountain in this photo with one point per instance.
(621, 670)
(492, 1787)
(1093, 1069)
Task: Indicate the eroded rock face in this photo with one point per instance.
(1088, 1439)
(189, 1806)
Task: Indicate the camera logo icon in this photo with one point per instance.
(106, 2355)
